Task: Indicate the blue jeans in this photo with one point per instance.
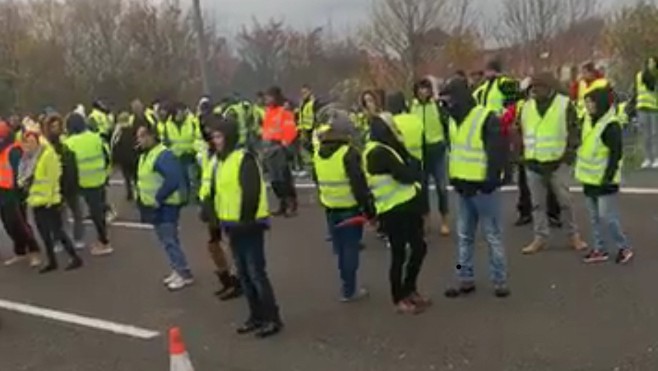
(605, 207)
(345, 241)
(483, 209)
(435, 167)
(249, 255)
(168, 236)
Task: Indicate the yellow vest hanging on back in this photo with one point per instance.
(593, 154)
(545, 137)
(468, 160)
(411, 129)
(89, 151)
(228, 197)
(333, 182)
(387, 192)
(45, 187)
(150, 181)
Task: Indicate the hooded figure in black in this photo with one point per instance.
(247, 240)
(459, 103)
(403, 224)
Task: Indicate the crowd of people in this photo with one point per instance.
(372, 165)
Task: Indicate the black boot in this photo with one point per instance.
(283, 207)
(224, 281)
(292, 209)
(234, 290)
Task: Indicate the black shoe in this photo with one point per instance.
(48, 268)
(248, 327)
(281, 211)
(523, 220)
(501, 291)
(269, 329)
(463, 289)
(75, 263)
(234, 290)
(225, 281)
(291, 211)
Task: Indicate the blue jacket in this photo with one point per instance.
(168, 166)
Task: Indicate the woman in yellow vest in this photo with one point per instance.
(646, 105)
(230, 284)
(242, 209)
(598, 168)
(395, 187)
(39, 173)
(345, 195)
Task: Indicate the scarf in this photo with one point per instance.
(27, 166)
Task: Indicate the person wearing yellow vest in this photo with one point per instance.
(435, 133)
(93, 162)
(549, 127)
(99, 120)
(476, 161)
(240, 113)
(395, 187)
(160, 182)
(242, 209)
(646, 106)
(179, 132)
(306, 118)
(230, 284)
(345, 195)
(598, 169)
(497, 91)
(12, 202)
(39, 174)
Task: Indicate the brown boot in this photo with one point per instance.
(534, 247)
(577, 242)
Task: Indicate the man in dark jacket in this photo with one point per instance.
(477, 159)
(124, 148)
(242, 209)
(12, 201)
(345, 195)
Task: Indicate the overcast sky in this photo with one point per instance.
(341, 14)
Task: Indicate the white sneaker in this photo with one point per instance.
(79, 245)
(179, 283)
(101, 250)
(655, 164)
(15, 260)
(646, 164)
(172, 276)
(110, 216)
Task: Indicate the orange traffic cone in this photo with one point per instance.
(179, 359)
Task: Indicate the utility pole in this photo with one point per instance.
(202, 46)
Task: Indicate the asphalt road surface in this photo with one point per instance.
(562, 315)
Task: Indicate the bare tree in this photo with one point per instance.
(202, 45)
(401, 34)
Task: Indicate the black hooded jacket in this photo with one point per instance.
(612, 137)
(250, 180)
(459, 105)
(355, 175)
(382, 162)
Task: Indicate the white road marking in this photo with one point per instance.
(131, 225)
(95, 323)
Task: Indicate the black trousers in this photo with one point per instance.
(524, 205)
(129, 173)
(404, 229)
(51, 229)
(14, 220)
(97, 205)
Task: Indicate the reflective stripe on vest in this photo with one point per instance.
(208, 166)
(593, 154)
(228, 197)
(429, 114)
(333, 182)
(6, 171)
(306, 115)
(45, 186)
(90, 158)
(150, 181)
(411, 129)
(468, 160)
(545, 137)
(387, 192)
(646, 99)
(179, 139)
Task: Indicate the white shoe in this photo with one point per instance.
(15, 260)
(110, 216)
(79, 245)
(361, 293)
(179, 283)
(646, 164)
(172, 276)
(655, 164)
(101, 250)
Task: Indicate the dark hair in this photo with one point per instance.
(589, 66)
(495, 65)
(460, 73)
(377, 95)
